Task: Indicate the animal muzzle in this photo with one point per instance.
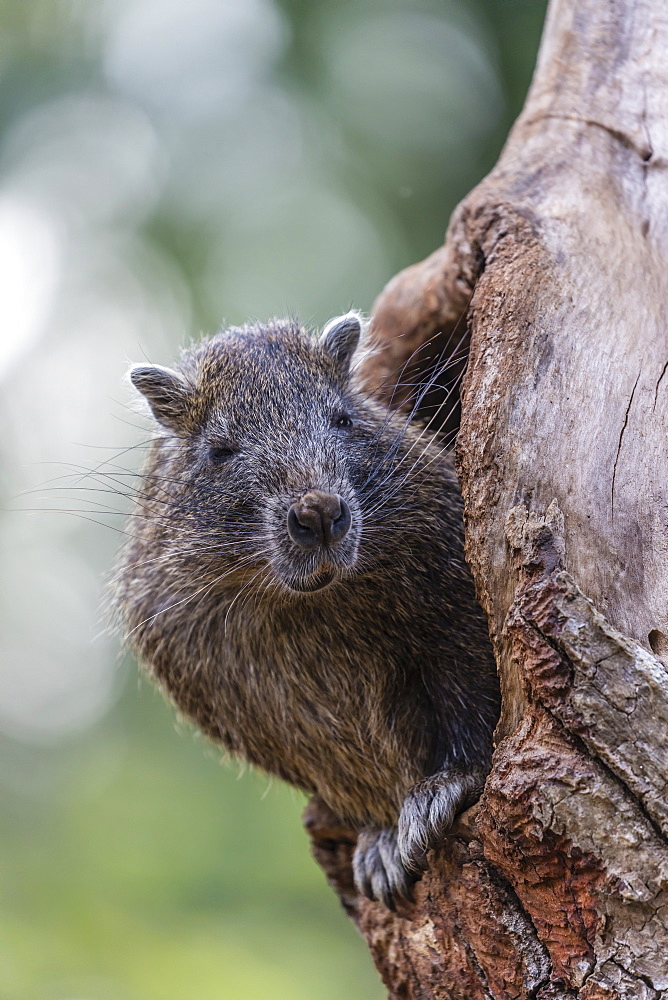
(319, 520)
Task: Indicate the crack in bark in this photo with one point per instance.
(656, 391)
(645, 124)
(475, 964)
(578, 740)
(538, 955)
(644, 152)
(619, 446)
(581, 745)
(638, 976)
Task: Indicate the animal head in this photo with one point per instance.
(266, 453)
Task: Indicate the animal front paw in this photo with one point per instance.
(379, 873)
(429, 810)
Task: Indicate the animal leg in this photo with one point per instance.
(429, 810)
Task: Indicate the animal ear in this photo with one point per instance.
(341, 336)
(167, 393)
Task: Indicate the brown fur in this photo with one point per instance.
(377, 691)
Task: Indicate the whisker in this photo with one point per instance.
(207, 586)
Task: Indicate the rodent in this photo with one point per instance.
(296, 582)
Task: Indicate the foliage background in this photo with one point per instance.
(164, 166)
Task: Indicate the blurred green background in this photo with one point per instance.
(166, 165)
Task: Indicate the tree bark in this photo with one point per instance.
(554, 274)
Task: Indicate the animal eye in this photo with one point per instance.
(342, 420)
(221, 452)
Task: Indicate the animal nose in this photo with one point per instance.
(319, 519)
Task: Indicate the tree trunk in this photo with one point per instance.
(555, 272)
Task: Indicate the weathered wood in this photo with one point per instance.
(555, 273)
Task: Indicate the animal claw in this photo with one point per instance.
(379, 873)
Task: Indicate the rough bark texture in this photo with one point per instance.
(555, 274)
